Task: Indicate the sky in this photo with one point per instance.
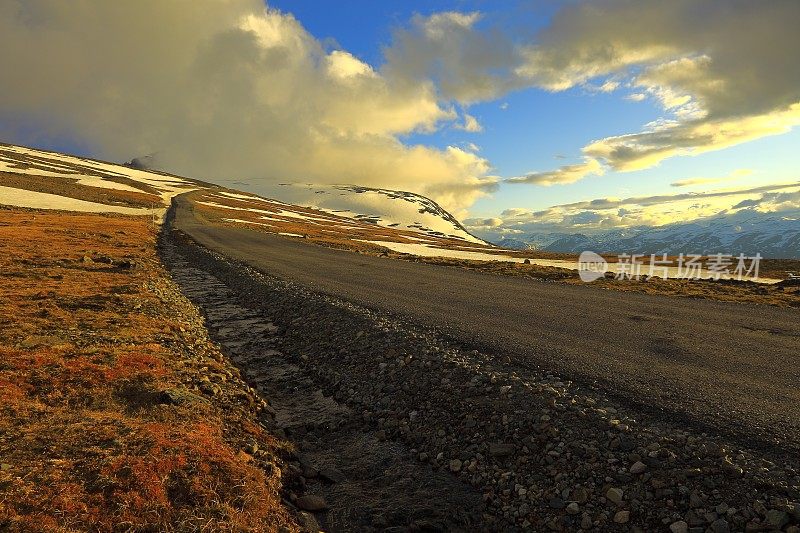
(517, 115)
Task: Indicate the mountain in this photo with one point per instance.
(745, 232)
(346, 216)
(49, 180)
(384, 207)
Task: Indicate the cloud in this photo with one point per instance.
(484, 222)
(739, 172)
(230, 92)
(467, 64)
(696, 181)
(470, 124)
(600, 214)
(724, 73)
(564, 174)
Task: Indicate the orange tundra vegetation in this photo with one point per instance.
(92, 333)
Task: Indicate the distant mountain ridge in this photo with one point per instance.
(748, 231)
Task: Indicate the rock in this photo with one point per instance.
(622, 517)
(580, 495)
(732, 471)
(311, 502)
(307, 522)
(501, 450)
(586, 521)
(777, 519)
(556, 503)
(127, 264)
(179, 396)
(695, 500)
(309, 472)
(573, 508)
(638, 468)
(614, 495)
(720, 526)
(4, 467)
(332, 475)
(455, 465)
(679, 527)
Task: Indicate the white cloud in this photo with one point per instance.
(229, 92)
(724, 73)
(470, 124)
(600, 214)
(564, 174)
(688, 182)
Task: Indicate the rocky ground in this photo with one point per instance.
(354, 389)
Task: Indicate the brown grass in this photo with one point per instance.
(86, 346)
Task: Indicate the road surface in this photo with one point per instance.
(727, 367)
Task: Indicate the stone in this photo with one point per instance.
(573, 508)
(179, 396)
(311, 502)
(455, 465)
(614, 495)
(308, 522)
(679, 527)
(777, 518)
(556, 503)
(580, 495)
(720, 525)
(332, 475)
(695, 500)
(501, 450)
(586, 522)
(732, 471)
(638, 468)
(622, 517)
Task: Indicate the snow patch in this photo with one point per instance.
(40, 200)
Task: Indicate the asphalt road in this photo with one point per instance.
(731, 368)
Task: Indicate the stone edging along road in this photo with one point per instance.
(541, 452)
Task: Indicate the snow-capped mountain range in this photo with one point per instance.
(745, 232)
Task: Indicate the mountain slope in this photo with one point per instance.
(747, 231)
(384, 207)
(49, 180)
